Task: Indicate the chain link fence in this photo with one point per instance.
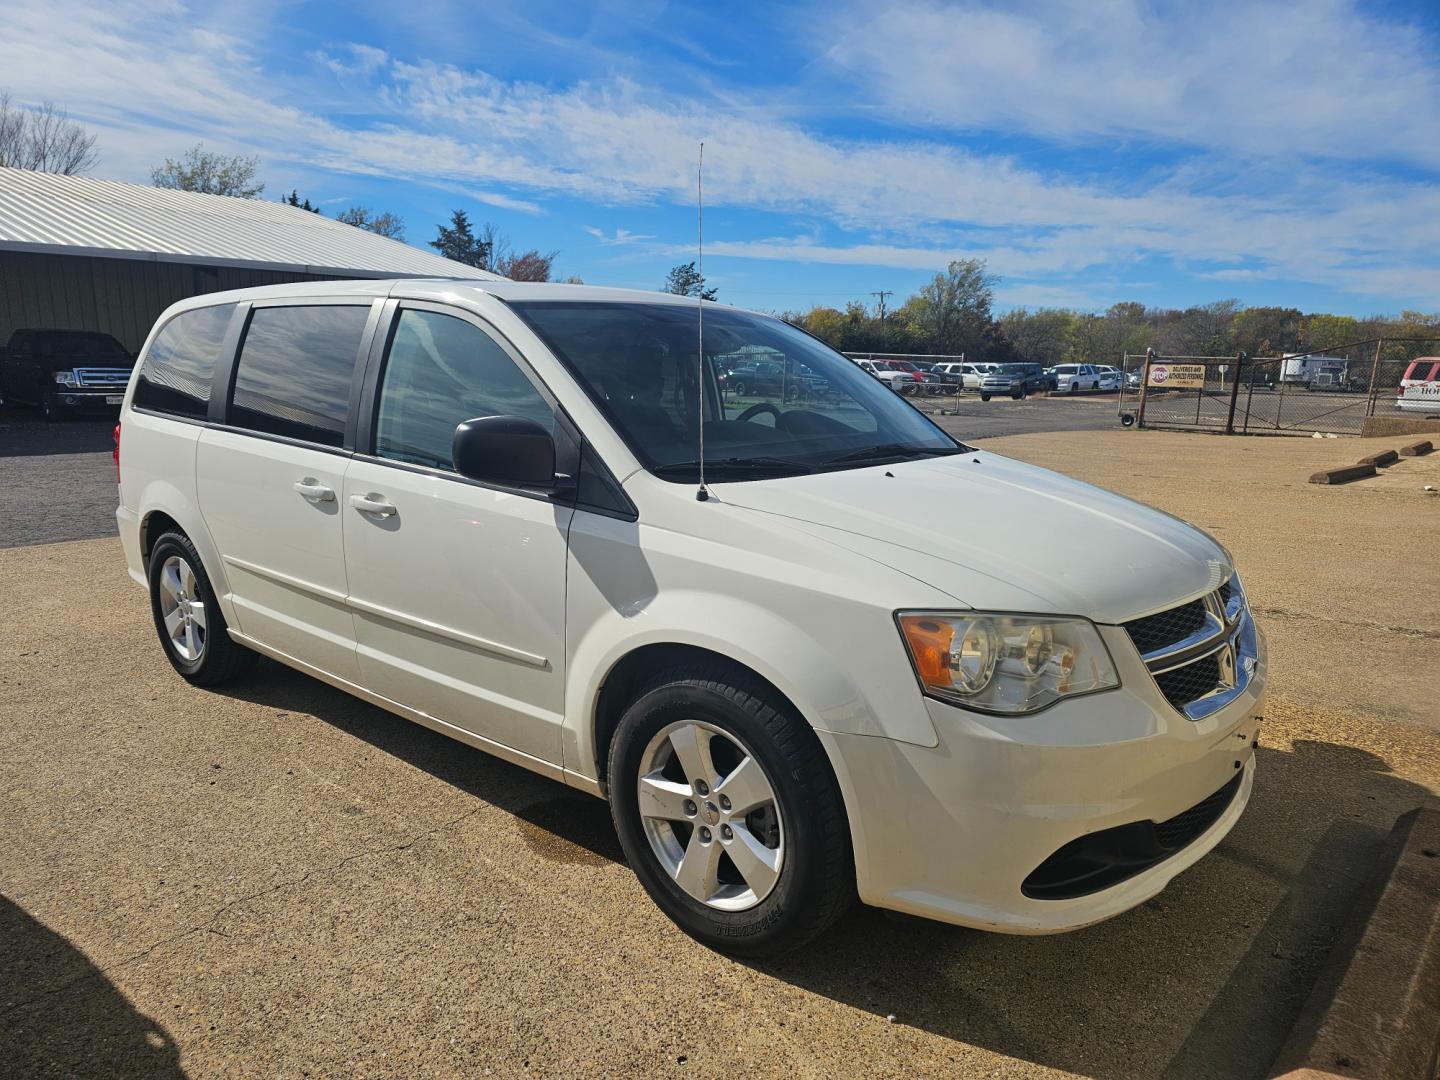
(1332, 390)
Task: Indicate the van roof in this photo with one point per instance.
(501, 289)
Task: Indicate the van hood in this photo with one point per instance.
(998, 534)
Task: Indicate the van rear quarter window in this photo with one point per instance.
(175, 377)
(295, 369)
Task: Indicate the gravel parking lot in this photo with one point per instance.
(280, 880)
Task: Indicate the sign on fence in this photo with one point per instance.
(1177, 376)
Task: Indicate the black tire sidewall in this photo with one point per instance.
(764, 926)
(175, 544)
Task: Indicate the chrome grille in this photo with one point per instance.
(90, 376)
(1157, 631)
(1200, 653)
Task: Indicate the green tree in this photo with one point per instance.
(293, 199)
(685, 280)
(952, 312)
(1039, 337)
(458, 242)
(211, 174)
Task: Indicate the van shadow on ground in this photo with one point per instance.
(1203, 981)
(60, 1015)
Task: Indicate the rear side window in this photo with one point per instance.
(175, 377)
(295, 369)
(440, 372)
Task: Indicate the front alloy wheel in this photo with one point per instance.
(728, 810)
(709, 812)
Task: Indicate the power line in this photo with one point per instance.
(882, 294)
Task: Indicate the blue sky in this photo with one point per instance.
(1091, 151)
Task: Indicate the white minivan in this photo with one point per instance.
(855, 658)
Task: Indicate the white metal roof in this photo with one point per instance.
(76, 215)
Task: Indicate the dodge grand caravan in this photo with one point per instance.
(843, 662)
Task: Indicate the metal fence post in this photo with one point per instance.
(1234, 393)
(1144, 384)
(1374, 374)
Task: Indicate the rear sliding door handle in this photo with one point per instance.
(372, 504)
(314, 491)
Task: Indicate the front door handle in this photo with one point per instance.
(372, 504)
(314, 490)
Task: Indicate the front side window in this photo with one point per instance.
(776, 400)
(295, 369)
(175, 377)
(440, 372)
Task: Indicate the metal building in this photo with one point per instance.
(83, 254)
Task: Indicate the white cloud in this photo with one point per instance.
(621, 238)
(912, 204)
(1318, 79)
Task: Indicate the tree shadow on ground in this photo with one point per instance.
(1204, 980)
(60, 1015)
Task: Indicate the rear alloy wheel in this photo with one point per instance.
(728, 811)
(188, 618)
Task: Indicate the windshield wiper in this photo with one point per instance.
(768, 465)
(881, 451)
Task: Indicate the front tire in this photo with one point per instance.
(984, 397)
(729, 813)
(50, 408)
(187, 616)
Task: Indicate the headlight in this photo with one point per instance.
(66, 378)
(1006, 663)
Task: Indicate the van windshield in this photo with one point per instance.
(777, 402)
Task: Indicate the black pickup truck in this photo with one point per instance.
(64, 371)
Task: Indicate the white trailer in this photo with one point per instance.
(1315, 372)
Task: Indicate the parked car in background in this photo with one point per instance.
(1013, 380)
(65, 371)
(902, 382)
(1420, 387)
(867, 661)
(1111, 378)
(1133, 378)
(966, 376)
(1424, 370)
(1072, 378)
(928, 383)
(765, 377)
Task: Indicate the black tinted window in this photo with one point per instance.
(175, 377)
(293, 376)
(441, 371)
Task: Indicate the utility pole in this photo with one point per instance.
(882, 294)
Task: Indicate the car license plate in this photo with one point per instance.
(114, 399)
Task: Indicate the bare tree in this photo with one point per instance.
(211, 174)
(502, 258)
(385, 224)
(44, 140)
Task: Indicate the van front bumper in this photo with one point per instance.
(953, 832)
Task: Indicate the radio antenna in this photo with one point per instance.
(703, 494)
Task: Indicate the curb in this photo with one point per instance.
(1375, 1009)
(1343, 475)
(1419, 449)
(1385, 457)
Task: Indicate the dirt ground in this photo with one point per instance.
(282, 881)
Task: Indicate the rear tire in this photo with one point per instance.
(187, 616)
(802, 878)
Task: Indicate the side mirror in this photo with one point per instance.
(513, 451)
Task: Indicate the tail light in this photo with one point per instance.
(116, 453)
